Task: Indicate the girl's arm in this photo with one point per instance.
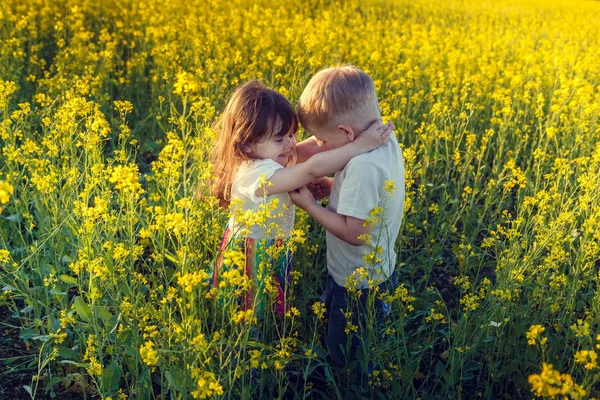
(322, 164)
(308, 148)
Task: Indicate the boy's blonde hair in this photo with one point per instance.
(335, 93)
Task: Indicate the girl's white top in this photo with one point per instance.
(244, 186)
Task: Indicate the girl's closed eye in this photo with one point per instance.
(291, 135)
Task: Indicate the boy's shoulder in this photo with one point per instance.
(386, 159)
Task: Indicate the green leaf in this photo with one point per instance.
(131, 351)
(104, 314)
(28, 334)
(16, 218)
(175, 378)
(111, 375)
(11, 360)
(169, 272)
(171, 258)
(64, 352)
(83, 310)
(112, 323)
(79, 365)
(26, 310)
(329, 375)
(439, 369)
(68, 279)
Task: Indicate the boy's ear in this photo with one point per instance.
(348, 131)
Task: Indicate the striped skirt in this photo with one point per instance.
(256, 251)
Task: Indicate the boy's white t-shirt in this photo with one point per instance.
(357, 189)
(244, 186)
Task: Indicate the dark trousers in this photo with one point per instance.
(339, 303)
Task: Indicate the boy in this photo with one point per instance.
(337, 105)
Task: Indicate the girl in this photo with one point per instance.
(253, 163)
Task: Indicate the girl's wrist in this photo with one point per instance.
(360, 147)
(310, 206)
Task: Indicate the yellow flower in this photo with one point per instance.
(66, 319)
(4, 256)
(254, 359)
(350, 327)
(126, 179)
(6, 190)
(191, 280)
(389, 187)
(123, 107)
(589, 357)
(206, 384)
(278, 365)
(581, 328)
(234, 258)
(434, 316)
(94, 367)
(470, 302)
(200, 342)
(534, 332)
(293, 312)
(319, 309)
(185, 83)
(551, 383)
(244, 316)
(149, 354)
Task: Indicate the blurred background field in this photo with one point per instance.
(108, 228)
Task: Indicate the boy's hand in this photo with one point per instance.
(375, 135)
(302, 198)
(320, 188)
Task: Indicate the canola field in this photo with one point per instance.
(109, 232)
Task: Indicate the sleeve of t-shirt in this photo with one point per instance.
(361, 190)
(249, 177)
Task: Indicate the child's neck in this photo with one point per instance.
(360, 128)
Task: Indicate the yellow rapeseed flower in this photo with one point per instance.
(206, 384)
(587, 357)
(6, 190)
(149, 354)
(319, 309)
(551, 383)
(533, 334)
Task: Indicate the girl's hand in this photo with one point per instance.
(375, 135)
(302, 198)
(320, 188)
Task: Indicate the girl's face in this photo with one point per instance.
(280, 149)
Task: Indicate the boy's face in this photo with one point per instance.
(331, 140)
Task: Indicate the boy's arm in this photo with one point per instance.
(308, 148)
(296, 176)
(348, 229)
